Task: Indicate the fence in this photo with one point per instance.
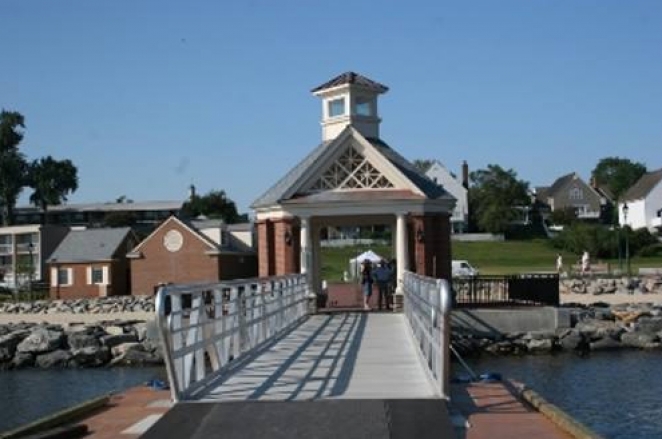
(205, 328)
(521, 290)
(427, 305)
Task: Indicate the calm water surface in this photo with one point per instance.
(26, 395)
(617, 394)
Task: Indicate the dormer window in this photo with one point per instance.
(337, 107)
(362, 106)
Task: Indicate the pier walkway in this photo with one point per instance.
(250, 359)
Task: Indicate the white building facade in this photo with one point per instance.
(644, 203)
(458, 189)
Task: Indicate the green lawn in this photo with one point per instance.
(507, 257)
(512, 257)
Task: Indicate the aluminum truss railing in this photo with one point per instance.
(427, 306)
(207, 328)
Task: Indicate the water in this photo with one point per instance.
(616, 394)
(26, 395)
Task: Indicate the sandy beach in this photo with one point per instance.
(612, 299)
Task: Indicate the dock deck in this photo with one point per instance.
(336, 356)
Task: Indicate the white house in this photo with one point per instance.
(644, 203)
(457, 188)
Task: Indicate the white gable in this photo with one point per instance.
(351, 163)
(439, 174)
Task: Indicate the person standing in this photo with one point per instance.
(383, 277)
(366, 283)
(586, 263)
(559, 263)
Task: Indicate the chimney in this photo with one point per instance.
(191, 192)
(465, 174)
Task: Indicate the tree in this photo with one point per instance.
(51, 181)
(617, 174)
(215, 204)
(422, 164)
(495, 196)
(13, 165)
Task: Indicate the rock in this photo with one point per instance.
(9, 342)
(123, 348)
(57, 358)
(91, 356)
(594, 289)
(649, 324)
(640, 340)
(539, 346)
(571, 341)
(114, 330)
(23, 359)
(595, 329)
(41, 340)
(604, 344)
(114, 340)
(81, 340)
(136, 358)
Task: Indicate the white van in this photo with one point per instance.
(463, 269)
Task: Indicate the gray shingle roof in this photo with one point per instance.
(559, 183)
(643, 186)
(352, 78)
(90, 245)
(274, 194)
(431, 189)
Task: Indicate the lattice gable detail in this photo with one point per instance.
(351, 170)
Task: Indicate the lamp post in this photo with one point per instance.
(30, 267)
(626, 209)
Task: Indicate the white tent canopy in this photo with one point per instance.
(355, 263)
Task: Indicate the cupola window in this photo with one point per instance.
(363, 107)
(337, 107)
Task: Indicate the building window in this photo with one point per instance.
(575, 194)
(97, 275)
(63, 276)
(363, 107)
(337, 107)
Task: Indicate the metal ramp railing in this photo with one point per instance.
(205, 328)
(427, 306)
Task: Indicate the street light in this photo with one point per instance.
(31, 266)
(626, 209)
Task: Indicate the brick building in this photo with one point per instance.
(91, 263)
(190, 252)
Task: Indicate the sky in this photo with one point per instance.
(149, 97)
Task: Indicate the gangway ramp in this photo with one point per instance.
(251, 360)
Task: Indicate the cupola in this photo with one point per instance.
(349, 99)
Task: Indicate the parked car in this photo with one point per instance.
(461, 268)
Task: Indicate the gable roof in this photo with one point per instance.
(559, 183)
(352, 78)
(278, 192)
(274, 194)
(90, 245)
(643, 186)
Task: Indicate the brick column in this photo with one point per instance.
(265, 248)
(286, 244)
(432, 250)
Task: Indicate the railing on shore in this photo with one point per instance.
(205, 328)
(521, 290)
(427, 306)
